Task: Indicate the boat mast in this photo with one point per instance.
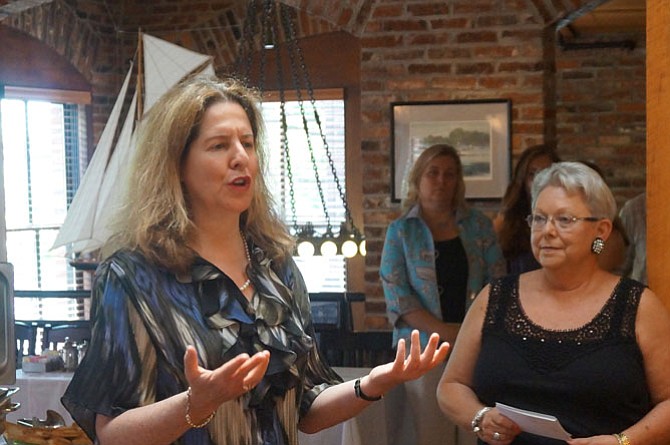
(140, 76)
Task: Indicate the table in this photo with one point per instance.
(39, 392)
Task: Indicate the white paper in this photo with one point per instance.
(536, 423)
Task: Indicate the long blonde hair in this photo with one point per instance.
(419, 168)
(155, 218)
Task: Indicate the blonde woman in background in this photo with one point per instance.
(435, 259)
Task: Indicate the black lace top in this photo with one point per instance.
(591, 378)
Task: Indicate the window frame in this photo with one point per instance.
(73, 102)
(327, 94)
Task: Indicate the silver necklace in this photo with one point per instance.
(246, 251)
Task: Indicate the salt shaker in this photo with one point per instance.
(81, 351)
(69, 354)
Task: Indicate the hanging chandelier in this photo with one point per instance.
(266, 24)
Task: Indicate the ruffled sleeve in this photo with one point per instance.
(139, 314)
(106, 382)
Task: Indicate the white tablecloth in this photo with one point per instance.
(39, 392)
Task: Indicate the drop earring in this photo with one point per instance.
(598, 245)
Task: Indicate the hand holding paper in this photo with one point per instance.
(535, 423)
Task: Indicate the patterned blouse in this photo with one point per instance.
(144, 318)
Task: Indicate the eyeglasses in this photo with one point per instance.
(537, 221)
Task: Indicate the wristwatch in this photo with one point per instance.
(476, 421)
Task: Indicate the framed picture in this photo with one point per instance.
(480, 130)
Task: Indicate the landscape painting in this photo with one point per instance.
(479, 134)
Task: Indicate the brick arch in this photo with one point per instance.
(58, 27)
(220, 35)
(58, 24)
(353, 15)
(347, 15)
(28, 62)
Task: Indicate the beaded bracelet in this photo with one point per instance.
(188, 413)
(622, 439)
(476, 422)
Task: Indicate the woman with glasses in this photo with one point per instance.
(570, 339)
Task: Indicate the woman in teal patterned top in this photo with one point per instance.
(202, 331)
(436, 257)
(439, 254)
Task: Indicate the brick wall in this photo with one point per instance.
(441, 51)
(601, 113)
(591, 101)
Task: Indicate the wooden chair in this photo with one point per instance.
(54, 336)
(26, 338)
(369, 349)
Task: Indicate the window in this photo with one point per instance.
(322, 274)
(44, 148)
(44, 156)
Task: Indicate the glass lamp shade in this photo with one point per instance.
(328, 248)
(349, 248)
(306, 249)
(361, 248)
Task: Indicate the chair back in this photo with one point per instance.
(26, 339)
(54, 336)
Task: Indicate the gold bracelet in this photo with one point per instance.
(622, 439)
(188, 413)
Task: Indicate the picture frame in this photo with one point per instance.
(479, 129)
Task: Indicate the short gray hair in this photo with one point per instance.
(576, 177)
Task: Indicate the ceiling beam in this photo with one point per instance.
(574, 15)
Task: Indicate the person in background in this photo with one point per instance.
(633, 216)
(435, 258)
(513, 232)
(570, 339)
(613, 256)
(202, 331)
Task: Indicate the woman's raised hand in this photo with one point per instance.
(211, 388)
(412, 365)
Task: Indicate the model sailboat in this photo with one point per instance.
(86, 227)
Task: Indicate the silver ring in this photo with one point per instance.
(496, 436)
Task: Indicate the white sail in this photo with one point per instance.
(111, 190)
(80, 218)
(165, 64)
(87, 223)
